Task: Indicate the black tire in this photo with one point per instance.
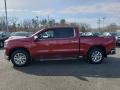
(100, 57)
(24, 53)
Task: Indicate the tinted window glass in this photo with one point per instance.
(63, 32)
(57, 33)
(47, 34)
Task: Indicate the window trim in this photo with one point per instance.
(61, 38)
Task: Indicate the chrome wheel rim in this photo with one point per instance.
(20, 58)
(96, 56)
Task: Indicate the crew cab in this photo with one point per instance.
(58, 43)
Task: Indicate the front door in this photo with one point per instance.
(58, 43)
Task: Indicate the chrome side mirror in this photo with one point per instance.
(44, 37)
(35, 38)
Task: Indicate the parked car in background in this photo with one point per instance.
(106, 34)
(90, 34)
(87, 34)
(21, 33)
(81, 33)
(97, 34)
(3, 37)
(117, 37)
(113, 33)
(58, 43)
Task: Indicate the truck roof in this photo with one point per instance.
(61, 27)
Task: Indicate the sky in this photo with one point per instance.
(80, 11)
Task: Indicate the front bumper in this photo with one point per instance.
(118, 42)
(6, 57)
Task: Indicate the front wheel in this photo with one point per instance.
(20, 58)
(95, 56)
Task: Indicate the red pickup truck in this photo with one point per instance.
(58, 43)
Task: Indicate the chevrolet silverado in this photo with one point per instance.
(58, 43)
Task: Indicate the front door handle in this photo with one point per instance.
(74, 41)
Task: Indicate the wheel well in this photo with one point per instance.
(100, 47)
(25, 49)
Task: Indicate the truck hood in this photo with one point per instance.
(23, 38)
(17, 41)
(17, 37)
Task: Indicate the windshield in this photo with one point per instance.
(37, 32)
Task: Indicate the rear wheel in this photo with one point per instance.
(20, 58)
(95, 56)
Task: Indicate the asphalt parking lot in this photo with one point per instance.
(61, 75)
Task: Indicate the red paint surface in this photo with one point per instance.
(54, 48)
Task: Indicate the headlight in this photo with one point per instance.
(5, 43)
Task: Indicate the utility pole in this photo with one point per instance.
(6, 16)
(99, 23)
(103, 22)
(48, 20)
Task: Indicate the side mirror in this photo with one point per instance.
(35, 38)
(44, 37)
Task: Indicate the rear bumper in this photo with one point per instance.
(118, 42)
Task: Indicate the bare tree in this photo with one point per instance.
(62, 21)
(12, 23)
(35, 23)
(44, 22)
(2, 23)
(51, 22)
(27, 25)
(112, 27)
(84, 27)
